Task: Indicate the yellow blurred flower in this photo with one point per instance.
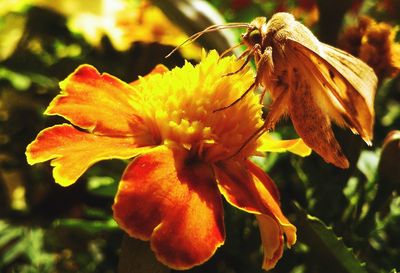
(123, 22)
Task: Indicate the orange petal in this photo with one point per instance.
(272, 240)
(73, 152)
(97, 102)
(266, 187)
(249, 188)
(158, 69)
(238, 186)
(173, 203)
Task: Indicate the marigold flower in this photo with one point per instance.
(170, 193)
(391, 7)
(374, 43)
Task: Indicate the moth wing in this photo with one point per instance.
(310, 121)
(361, 76)
(347, 82)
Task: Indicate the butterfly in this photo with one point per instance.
(311, 82)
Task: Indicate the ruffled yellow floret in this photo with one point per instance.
(180, 107)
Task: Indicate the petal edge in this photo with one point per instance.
(72, 151)
(97, 102)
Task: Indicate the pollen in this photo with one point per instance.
(180, 105)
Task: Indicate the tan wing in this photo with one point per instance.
(309, 120)
(347, 82)
(361, 76)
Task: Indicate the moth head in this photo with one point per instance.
(255, 32)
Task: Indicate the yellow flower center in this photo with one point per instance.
(179, 106)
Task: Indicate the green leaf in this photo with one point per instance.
(14, 251)
(325, 245)
(18, 81)
(27, 243)
(89, 226)
(35, 252)
(392, 114)
(387, 178)
(368, 164)
(9, 234)
(266, 163)
(102, 186)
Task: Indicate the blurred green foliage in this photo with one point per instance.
(347, 220)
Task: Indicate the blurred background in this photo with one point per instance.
(347, 220)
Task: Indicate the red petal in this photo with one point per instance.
(73, 151)
(174, 203)
(249, 188)
(98, 102)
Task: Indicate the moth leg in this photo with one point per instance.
(265, 65)
(256, 134)
(273, 116)
(262, 95)
(310, 122)
(254, 51)
(276, 110)
(277, 85)
(249, 55)
(238, 99)
(230, 50)
(265, 70)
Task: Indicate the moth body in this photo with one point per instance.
(311, 82)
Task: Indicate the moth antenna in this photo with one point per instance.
(212, 28)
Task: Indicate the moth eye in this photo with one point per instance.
(255, 36)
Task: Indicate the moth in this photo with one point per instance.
(311, 82)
